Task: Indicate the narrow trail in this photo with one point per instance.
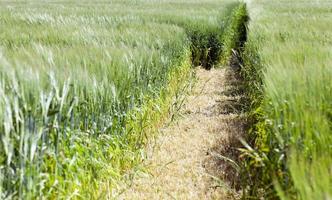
(185, 161)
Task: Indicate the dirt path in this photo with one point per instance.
(187, 155)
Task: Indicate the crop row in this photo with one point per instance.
(287, 69)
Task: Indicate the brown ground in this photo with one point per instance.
(186, 160)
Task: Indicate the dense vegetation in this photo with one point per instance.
(288, 74)
(82, 84)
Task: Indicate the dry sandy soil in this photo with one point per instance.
(187, 159)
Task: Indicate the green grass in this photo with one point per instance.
(83, 84)
(289, 70)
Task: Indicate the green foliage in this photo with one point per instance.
(236, 33)
(290, 64)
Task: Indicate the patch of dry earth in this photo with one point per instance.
(185, 156)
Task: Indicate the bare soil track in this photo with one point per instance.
(187, 160)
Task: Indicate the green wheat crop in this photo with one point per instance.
(292, 41)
